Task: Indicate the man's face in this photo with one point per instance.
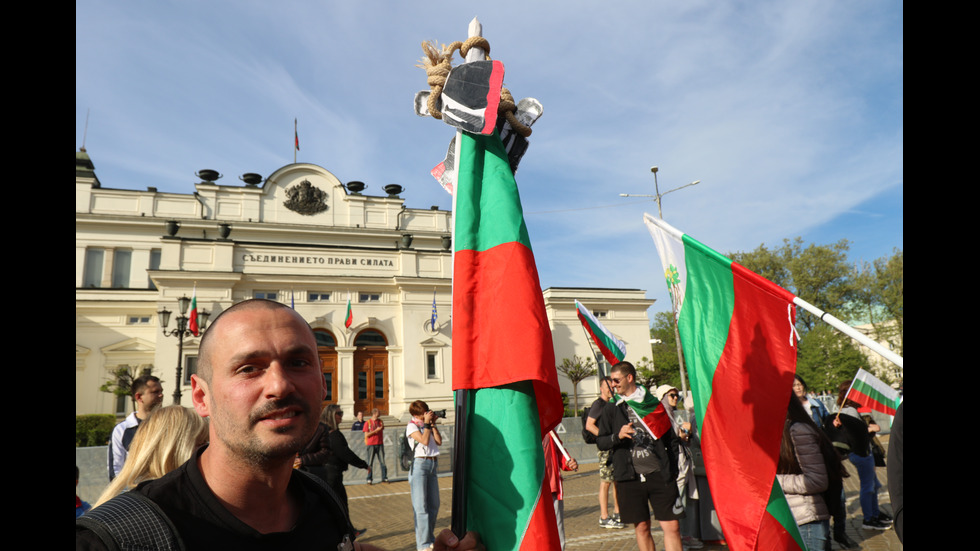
(622, 383)
(152, 396)
(375, 415)
(604, 391)
(360, 416)
(266, 386)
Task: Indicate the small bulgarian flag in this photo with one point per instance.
(349, 319)
(737, 332)
(296, 132)
(613, 349)
(870, 392)
(192, 325)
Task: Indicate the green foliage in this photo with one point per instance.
(826, 358)
(577, 369)
(93, 430)
(882, 299)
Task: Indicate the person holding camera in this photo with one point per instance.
(425, 439)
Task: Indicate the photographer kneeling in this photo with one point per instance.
(422, 476)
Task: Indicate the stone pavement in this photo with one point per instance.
(386, 511)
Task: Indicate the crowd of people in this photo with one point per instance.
(254, 465)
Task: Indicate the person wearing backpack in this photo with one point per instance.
(589, 432)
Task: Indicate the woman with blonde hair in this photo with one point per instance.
(163, 442)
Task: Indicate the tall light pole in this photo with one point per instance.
(181, 331)
(677, 336)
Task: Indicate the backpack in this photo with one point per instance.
(408, 454)
(586, 435)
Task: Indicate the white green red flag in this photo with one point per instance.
(612, 349)
(349, 318)
(503, 355)
(871, 392)
(737, 332)
(649, 410)
(192, 324)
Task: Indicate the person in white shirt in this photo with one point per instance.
(425, 440)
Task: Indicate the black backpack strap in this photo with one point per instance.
(131, 521)
(337, 510)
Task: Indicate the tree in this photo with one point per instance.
(577, 370)
(120, 381)
(882, 298)
(826, 358)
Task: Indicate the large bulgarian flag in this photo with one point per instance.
(613, 349)
(871, 392)
(739, 342)
(502, 354)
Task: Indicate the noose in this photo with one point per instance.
(437, 64)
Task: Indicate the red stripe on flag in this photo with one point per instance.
(541, 533)
(773, 536)
(493, 97)
(750, 389)
(869, 402)
(658, 421)
(494, 295)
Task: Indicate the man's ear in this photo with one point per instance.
(200, 395)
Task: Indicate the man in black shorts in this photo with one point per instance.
(645, 469)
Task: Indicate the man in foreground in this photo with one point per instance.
(645, 469)
(147, 395)
(260, 383)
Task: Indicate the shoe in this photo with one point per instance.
(845, 542)
(358, 532)
(885, 518)
(610, 523)
(616, 517)
(385, 481)
(691, 542)
(874, 524)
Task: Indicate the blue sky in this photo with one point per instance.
(790, 113)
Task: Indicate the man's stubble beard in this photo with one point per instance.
(250, 448)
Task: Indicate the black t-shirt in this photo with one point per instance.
(203, 523)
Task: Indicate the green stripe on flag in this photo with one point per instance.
(705, 316)
(491, 217)
(778, 508)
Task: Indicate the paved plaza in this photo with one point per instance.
(386, 511)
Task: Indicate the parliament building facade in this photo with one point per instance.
(305, 239)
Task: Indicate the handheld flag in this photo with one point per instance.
(613, 349)
(737, 332)
(502, 355)
(871, 392)
(192, 324)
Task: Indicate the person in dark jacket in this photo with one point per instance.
(645, 468)
(340, 455)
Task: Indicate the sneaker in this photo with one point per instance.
(610, 523)
(885, 518)
(691, 542)
(616, 517)
(358, 532)
(874, 524)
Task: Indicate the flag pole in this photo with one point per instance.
(850, 332)
(460, 474)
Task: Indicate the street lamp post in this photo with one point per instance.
(182, 330)
(677, 337)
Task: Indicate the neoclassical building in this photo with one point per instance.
(300, 237)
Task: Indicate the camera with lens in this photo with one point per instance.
(440, 413)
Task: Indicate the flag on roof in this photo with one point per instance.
(192, 324)
(349, 318)
(739, 342)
